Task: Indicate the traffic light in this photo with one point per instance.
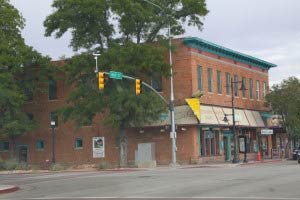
(101, 77)
(138, 87)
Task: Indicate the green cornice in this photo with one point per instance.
(204, 45)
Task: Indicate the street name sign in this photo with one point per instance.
(115, 75)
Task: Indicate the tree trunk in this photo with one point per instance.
(123, 147)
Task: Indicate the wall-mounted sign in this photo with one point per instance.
(194, 104)
(267, 131)
(98, 147)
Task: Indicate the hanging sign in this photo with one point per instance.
(194, 104)
(267, 131)
(98, 147)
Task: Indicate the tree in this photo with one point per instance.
(21, 68)
(123, 32)
(284, 100)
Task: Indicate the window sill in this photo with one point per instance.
(78, 148)
(40, 149)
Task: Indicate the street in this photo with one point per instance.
(261, 181)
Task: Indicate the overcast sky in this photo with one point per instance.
(266, 29)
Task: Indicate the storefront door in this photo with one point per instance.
(23, 153)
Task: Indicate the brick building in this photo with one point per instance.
(198, 65)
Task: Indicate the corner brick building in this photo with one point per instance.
(197, 65)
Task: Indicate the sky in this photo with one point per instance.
(266, 29)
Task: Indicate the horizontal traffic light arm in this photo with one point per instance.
(143, 83)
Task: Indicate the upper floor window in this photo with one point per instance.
(209, 79)
(54, 117)
(200, 81)
(257, 90)
(156, 81)
(236, 85)
(251, 88)
(228, 82)
(30, 116)
(244, 83)
(40, 144)
(219, 77)
(52, 89)
(29, 95)
(264, 89)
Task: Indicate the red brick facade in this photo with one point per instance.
(186, 59)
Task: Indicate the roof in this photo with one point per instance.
(210, 47)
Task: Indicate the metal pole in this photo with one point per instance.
(173, 132)
(53, 154)
(235, 158)
(245, 153)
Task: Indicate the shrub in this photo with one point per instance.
(10, 165)
(2, 165)
(22, 166)
(56, 167)
(103, 165)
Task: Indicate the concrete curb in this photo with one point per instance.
(231, 165)
(8, 188)
(262, 162)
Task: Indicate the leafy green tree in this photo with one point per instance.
(21, 68)
(284, 100)
(123, 32)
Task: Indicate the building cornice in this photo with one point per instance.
(209, 47)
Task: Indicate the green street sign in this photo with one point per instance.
(115, 75)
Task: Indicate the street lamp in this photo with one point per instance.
(52, 124)
(96, 54)
(173, 132)
(235, 156)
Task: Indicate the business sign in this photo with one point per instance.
(98, 147)
(194, 104)
(242, 144)
(267, 131)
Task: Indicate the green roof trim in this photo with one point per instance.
(204, 45)
(266, 115)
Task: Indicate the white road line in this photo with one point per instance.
(136, 197)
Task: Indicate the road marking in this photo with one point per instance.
(185, 198)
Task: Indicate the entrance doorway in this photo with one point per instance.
(23, 153)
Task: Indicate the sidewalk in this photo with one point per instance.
(230, 165)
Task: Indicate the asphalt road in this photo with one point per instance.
(262, 181)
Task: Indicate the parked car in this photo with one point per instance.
(295, 153)
(298, 157)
